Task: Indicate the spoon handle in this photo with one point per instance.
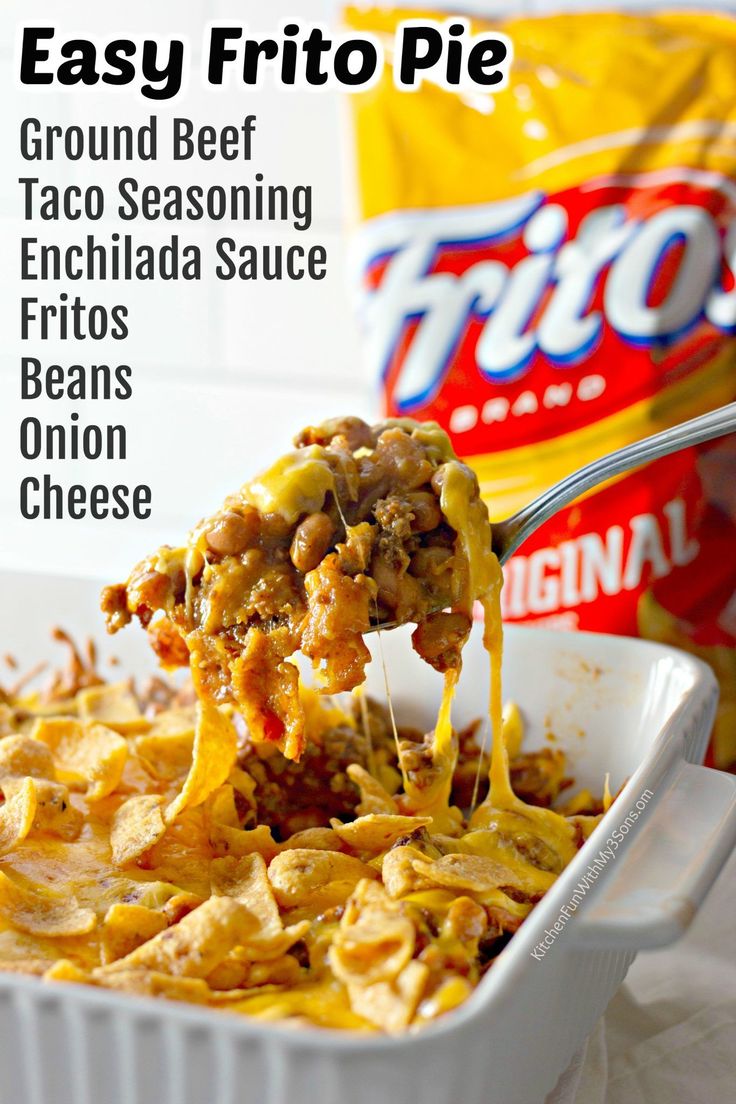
(509, 534)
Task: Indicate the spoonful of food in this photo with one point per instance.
(357, 528)
(510, 533)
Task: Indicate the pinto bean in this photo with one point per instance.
(431, 563)
(311, 541)
(426, 510)
(465, 920)
(403, 459)
(233, 532)
(440, 638)
(354, 430)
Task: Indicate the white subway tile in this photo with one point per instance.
(297, 330)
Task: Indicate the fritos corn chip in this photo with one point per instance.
(321, 878)
(232, 841)
(245, 879)
(375, 940)
(113, 705)
(221, 808)
(193, 947)
(87, 756)
(64, 970)
(23, 756)
(398, 872)
(17, 815)
(126, 927)
(374, 798)
(548, 272)
(377, 831)
(179, 721)
(478, 874)
(283, 970)
(153, 983)
(180, 905)
(40, 911)
(213, 756)
(135, 827)
(391, 1005)
(166, 756)
(55, 812)
(33, 967)
(314, 839)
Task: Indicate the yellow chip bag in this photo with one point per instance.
(547, 271)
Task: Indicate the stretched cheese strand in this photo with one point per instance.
(500, 792)
(502, 811)
(481, 578)
(429, 795)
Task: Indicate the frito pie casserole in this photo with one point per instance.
(249, 843)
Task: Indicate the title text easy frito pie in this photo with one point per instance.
(548, 272)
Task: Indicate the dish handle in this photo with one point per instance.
(661, 878)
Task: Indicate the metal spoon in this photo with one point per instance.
(513, 531)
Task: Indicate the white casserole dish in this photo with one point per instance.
(634, 709)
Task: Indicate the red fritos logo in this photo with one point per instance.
(589, 299)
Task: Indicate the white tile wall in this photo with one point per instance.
(225, 372)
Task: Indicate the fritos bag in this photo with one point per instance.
(548, 272)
